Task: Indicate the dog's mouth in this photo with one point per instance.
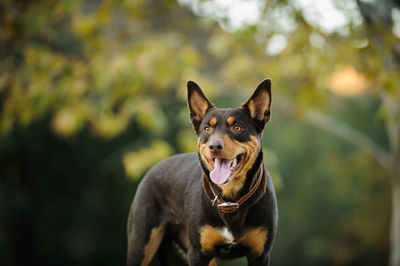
(225, 169)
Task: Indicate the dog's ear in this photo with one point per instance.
(259, 104)
(198, 104)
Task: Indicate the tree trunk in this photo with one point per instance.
(394, 259)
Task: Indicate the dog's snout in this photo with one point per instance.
(216, 146)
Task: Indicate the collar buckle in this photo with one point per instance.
(228, 204)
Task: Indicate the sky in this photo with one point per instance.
(327, 15)
(248, 12)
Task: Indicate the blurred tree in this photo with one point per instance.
(379, 62)
(92, 92)
(83, 85)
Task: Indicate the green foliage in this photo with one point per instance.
(92, 94)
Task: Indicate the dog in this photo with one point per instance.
(217, 203)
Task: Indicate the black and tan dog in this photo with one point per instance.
(219, 203)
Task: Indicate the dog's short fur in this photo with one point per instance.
(179, 200)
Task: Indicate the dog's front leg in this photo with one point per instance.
(197, 258)
(263, 260)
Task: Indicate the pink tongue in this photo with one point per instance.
(221, 172)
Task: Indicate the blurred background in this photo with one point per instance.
(92, 94)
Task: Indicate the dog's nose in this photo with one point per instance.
(216, 146)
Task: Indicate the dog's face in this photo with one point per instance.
(229, 140)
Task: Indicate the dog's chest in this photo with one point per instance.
(223, 243)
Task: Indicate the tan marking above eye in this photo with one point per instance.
(213, 121)
(230, 120)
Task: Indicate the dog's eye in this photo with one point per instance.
(207, 129)
(237, 128)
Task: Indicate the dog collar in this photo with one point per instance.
(231, 207)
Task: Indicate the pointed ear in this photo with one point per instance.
(198, 104)
(259, 104)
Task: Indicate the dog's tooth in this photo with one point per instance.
(233, 164)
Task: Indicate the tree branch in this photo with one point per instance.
(342, 130)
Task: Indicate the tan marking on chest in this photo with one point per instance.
(210, 237)
(255, 239)
(154, 242)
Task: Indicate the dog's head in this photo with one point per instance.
(229, 140)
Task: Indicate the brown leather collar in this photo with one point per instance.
(231, 207)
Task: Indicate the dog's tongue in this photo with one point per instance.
(221, 172)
